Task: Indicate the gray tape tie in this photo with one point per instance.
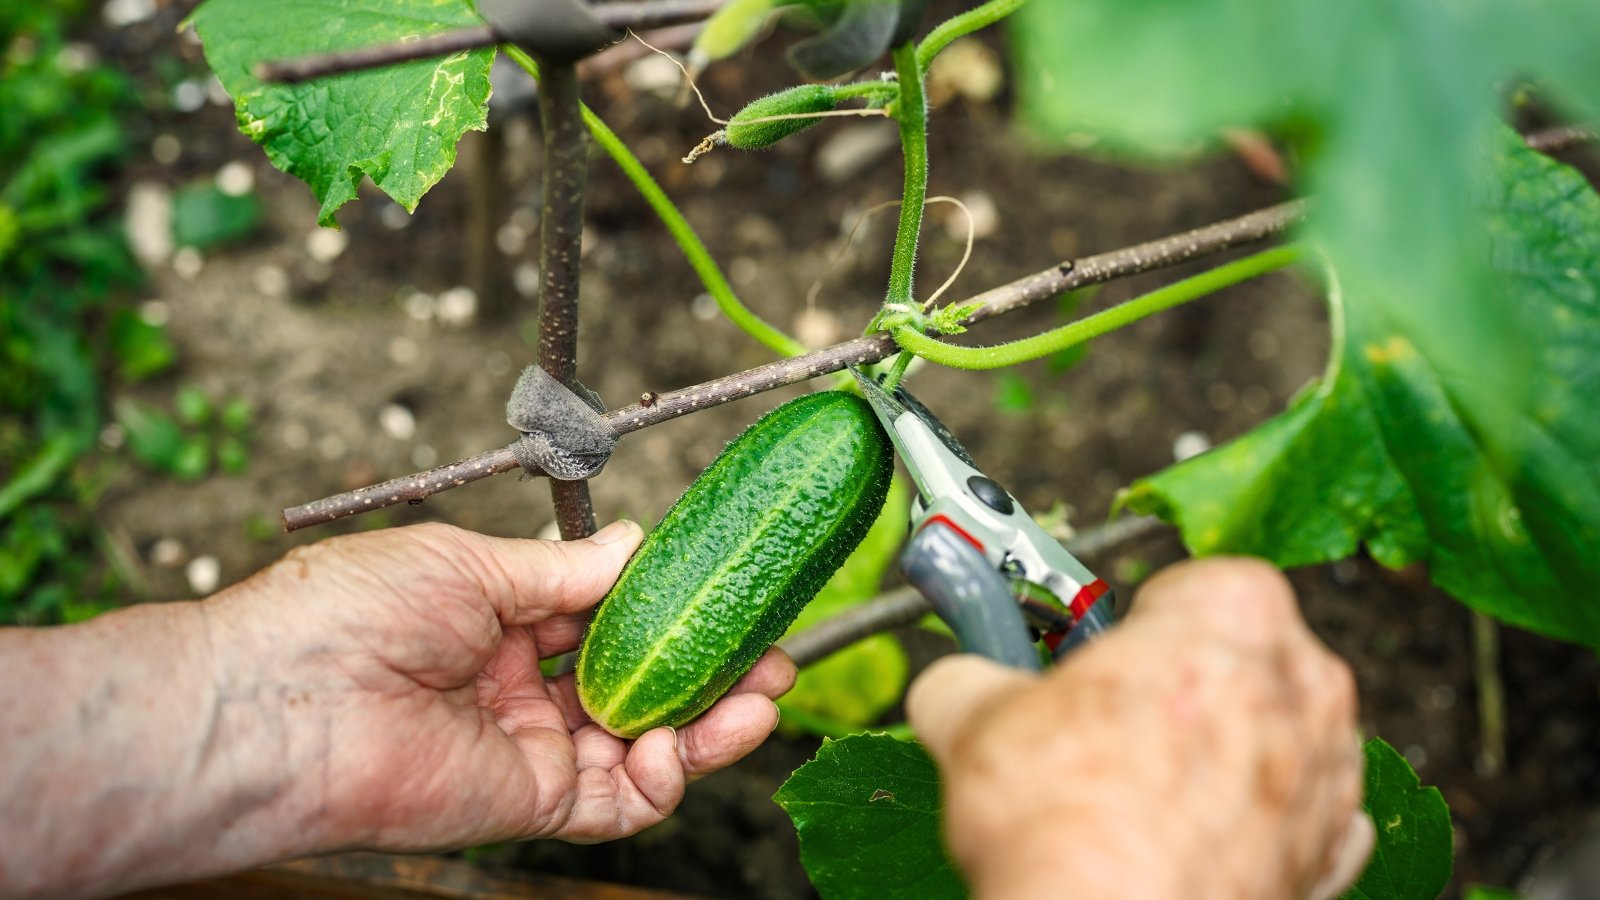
(564, 434)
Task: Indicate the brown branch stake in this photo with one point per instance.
(1097, 269)
(619, 15)
(566, 167)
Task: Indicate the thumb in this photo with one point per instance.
(535, 580)
(951, 693)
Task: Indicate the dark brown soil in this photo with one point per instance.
(323, 359)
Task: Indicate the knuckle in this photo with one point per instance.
(1226, 589)
(1339, 684)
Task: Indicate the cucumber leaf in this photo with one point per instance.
(1484, 471)
(1415, 850)
(397, 125)
(856, 686)
(867, 810)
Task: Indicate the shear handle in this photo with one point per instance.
(970, 595)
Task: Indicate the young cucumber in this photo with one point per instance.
(733, 562)
(753, 127)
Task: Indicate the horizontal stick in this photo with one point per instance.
(1102, 267)
(321, 65)
(620, 16)
(1554, 140)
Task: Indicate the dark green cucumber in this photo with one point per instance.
(733, 562)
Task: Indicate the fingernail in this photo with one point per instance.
(611, 533)
(674, 737)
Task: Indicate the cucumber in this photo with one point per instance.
(746, 131)
(733, 562)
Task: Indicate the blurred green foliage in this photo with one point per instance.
(205, 216)
(185, 443)
(62, 336)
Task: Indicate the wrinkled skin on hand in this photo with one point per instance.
(398, 671)
(1206, 747)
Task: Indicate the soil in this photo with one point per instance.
(323, 347)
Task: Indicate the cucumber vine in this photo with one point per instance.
(1431, 451)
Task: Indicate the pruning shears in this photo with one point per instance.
(992, 574)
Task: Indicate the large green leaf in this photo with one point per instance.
(867, 809)
(1388, 100)
(1415, 850)
(854, 687)
(1487, 472)
(397, 125)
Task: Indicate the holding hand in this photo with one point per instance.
(378, 691)
(410, 662)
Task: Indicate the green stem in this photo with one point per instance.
(961, 26)
(911, 111)
(882, 91)
(898, 370)
(1056, 340)
(693, 249)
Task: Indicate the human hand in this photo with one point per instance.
(1206, 747)
(399, 673)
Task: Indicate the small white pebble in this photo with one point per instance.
(166, 149)
(118, 13)
(188, 96)
(653, 74)
(404, 351)
(332, 447)
(967, 68)
(394, 217)
(148, 222)
(216, 93)
(76, 57)
(744, 270)
(419, 306)
(526, 280)
(704, 307)
(296, 436)
(458, 306)
(985, 217)
(271, 281)
(1263, 344)
(1255, 399)
(817, 327)
(511, 239)
(204, 574)
(325, 244)
(1417, 755)
(187, 263)
(423, 456)
(112, 436)
(235, 179)
(1189, 445)
(397, 422)
(167, 553)
(155, 312)
(550, 532)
